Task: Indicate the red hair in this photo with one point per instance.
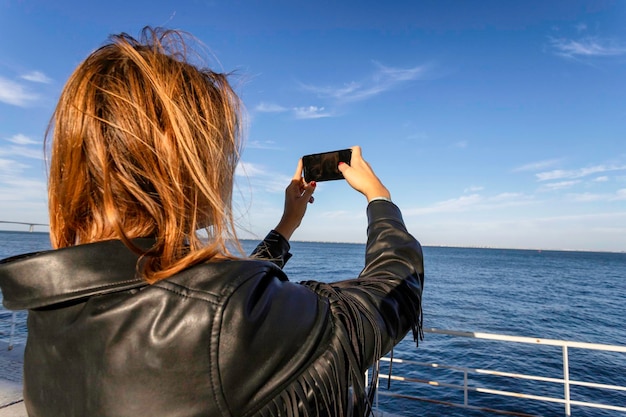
(145, 144)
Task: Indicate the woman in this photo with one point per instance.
(133, 315)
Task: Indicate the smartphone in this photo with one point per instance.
(324, 166)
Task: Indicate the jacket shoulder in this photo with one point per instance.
(215, 282)
(270, 332)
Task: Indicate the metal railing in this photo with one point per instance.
(31, 226)
(467, 387)
(14, 319)
(11, 338)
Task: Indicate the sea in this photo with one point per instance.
(573, 296)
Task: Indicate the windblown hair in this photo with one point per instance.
(145, 144)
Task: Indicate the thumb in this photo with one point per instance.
(345, 170)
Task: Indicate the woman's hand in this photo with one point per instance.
(361, 177)
(297, 195)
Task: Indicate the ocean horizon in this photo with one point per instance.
(251, 239)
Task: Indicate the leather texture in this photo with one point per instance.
(229, 338)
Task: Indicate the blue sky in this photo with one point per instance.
(493, 123)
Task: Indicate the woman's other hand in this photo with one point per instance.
(297, 195)
(361, 177)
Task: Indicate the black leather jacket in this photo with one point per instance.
(230, 338)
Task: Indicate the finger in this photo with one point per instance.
(356, 151)
(308, 190)
(298, 174)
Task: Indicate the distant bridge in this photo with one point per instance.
(31, 226)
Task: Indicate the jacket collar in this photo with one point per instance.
(41, 279)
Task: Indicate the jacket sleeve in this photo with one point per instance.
(274, 248)
(313, 340)
(376, 310)
(384, 302)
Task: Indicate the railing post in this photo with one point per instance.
(465, 390)
(568, 411)
(13, 317)
(367, 385)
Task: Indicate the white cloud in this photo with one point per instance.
(473, 189)
(347, 92)
(473, 202)
(601, 179)
(581, 27)
(383, 79)
(11, 167)
(509, 198)
(258, 144)
(22, 189)
(36, 77)
(22, 199)
(586, 47)
(577, 173)
(259, 177)
(311, 112)
(15, 94)
(560, 185)
(23, 151)
(269, 108)
(537, 166)
(395, 75)
(592, 231)
(586, 197)
(619, 195)
(247, 169)
(452, 205)
(21, 139)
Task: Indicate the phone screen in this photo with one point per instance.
(324, 166)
